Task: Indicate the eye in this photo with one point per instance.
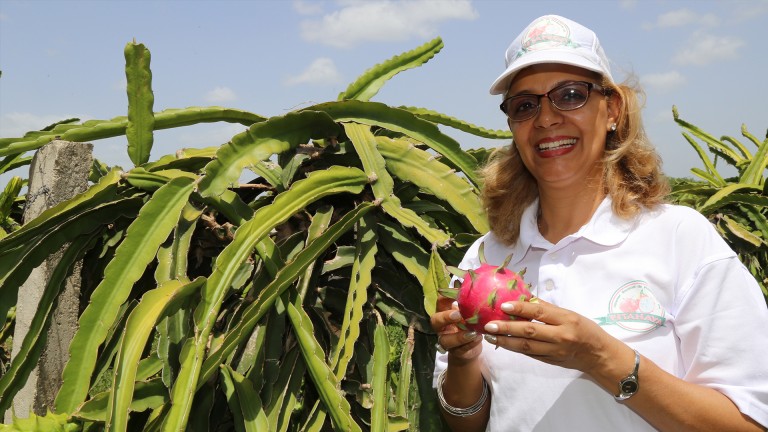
(570, 95)
(522, 105)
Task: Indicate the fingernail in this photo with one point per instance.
(491, 328)
(455, 316)
(491, 339)
(455, 305)
(470, 335)
(507, 307)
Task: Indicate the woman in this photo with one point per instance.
(646, 319)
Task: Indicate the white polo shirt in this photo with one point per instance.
(665, 283)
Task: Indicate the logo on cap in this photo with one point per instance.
(546, 33)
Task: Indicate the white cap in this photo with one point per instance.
(553, 39)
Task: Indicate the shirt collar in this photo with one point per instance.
(604, 227)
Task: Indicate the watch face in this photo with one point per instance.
(628, 387)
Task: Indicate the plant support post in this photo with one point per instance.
(58, 172)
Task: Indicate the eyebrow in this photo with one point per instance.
(530, 92)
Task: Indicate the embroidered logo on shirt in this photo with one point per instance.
(633, 307)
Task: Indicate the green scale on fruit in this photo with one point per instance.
(484, 289)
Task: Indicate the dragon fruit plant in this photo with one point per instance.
(484, 289)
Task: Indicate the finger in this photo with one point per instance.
(439, 347)
(523, 329)
(453, 338)
(539, 311)
(463, 344)
(452, 341)
(443, 303)
(530, 347)
(444, 318)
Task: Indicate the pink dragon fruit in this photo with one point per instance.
(483, 291)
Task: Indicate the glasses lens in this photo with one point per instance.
(570, 96)
(566, 97)
(521, 107)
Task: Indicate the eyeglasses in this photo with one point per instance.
(565, 97)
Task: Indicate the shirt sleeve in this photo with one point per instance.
(722, 324)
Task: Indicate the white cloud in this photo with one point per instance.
(704, 49)
(307, 7)
(628, 4)
(16, 124)
(321, 71)
(748, 11)
(384, 20)
(664, 81)
(684, 17)
(220, 95)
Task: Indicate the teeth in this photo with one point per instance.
(555, 144)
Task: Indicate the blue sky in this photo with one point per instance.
(62, 59)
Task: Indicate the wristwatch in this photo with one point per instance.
(630, 384)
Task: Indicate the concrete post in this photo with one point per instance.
(59, 171)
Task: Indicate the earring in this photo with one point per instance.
(613, 127)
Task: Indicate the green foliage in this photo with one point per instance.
(48, 422)
(737, 206)
(10, 206)
(6, 339)
(296, 301)
(291, 302)
(141, 118)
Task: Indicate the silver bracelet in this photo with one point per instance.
(460, 412)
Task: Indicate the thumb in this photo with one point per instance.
(444, 303)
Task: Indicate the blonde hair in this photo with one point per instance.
(632, 174)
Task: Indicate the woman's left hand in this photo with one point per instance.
(556, 336)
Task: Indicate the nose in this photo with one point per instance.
(548, 115)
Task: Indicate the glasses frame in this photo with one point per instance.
(590, 86)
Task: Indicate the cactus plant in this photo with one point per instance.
(738, 205)
(264, 304)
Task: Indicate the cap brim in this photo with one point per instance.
(502, 83)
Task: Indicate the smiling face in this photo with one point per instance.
(562, 148)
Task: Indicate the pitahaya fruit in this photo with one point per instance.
(483, 291)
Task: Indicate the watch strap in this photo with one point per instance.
(630, 384)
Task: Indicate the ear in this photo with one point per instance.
(614, 109)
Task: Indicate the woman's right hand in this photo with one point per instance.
(463, 346)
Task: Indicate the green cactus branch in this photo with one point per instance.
(316, 241)
(141, 118)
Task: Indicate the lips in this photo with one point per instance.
(556, 145)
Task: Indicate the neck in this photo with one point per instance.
(562, 212)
